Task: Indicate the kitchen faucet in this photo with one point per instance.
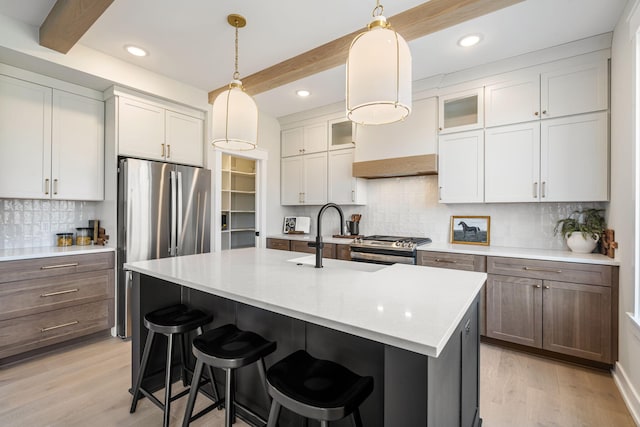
(318, 243)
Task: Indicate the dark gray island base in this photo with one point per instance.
(410, 390)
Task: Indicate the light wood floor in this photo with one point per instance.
(87, 386)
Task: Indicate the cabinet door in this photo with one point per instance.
(574, 90)
(140, 129)
(292, 142)
(314, 178)
(577, 320)
(77, 150)
(461, 167)
(512, 163)
(470, 366)
(25, 139)
(341, 134)
(291, 185)
(184, 138)
(574, 163)
(315, 138)
(343, 187)
(514, 309)
(461, 111)
(514, 101)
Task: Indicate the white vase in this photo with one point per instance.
(579, 244)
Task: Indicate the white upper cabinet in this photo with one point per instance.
(512, 101)
(77, 149)
(341, 134)
(564, 88)
(343, 188)
(414, 136)
(303, 180)
(461, 167)
(574, 89)
(512, 163)
(51, 143)
(184, 138)
(461, 111)
(25, 139)
(306, 139)
(574, 163)
(150, 131)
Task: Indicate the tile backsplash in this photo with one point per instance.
(34, 223)
(409, 206)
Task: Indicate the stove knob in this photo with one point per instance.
(407, 244)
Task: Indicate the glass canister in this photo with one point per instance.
(83, 236)
(64, 239)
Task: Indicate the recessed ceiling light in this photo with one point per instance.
(135, 50)
(470, 40)
(303, 93)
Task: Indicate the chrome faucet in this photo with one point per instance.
(318, 243)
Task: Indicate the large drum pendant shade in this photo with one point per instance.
(235, 119)
(378, 76)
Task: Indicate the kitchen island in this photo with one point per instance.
(414, 329)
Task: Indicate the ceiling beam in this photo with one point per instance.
(426, 18)
(68, 20)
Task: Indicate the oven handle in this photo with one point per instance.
(372, 257)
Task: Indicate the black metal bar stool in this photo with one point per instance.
(318, 389)
(228, 348)
(169, 321)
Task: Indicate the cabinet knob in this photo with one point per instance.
(544, 111)
(537, 286)
(547, 287)
(536, 113)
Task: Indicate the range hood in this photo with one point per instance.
(426, 164)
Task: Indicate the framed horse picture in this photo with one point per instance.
(470, 230)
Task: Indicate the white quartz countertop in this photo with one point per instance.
(312, 238)
(539, 254)
(411, 307)
(45, 252)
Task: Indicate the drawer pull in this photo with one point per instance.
(541, 269)
(50, 328)
(445, 261)
(49, 267)
(68, 291)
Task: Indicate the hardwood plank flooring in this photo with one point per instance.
(87, 384)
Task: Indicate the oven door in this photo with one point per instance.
(385, 257)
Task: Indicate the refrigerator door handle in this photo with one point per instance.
(172, 241)
(128, 287)
(179, 228)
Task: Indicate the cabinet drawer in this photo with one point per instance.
(282, 244)
(452, 261)
(36, 268)
(37, 295)
(38, 330)
(302, 246)
(343, 252)
(591, 274)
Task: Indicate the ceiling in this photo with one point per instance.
(190, 41)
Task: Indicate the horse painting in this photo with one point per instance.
(469, 229)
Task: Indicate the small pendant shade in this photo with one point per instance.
(378, 76)
(235, 119)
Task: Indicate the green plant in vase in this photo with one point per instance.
(582, 229)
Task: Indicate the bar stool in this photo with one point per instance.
(228, 348)
(169, 321)
(316, 389)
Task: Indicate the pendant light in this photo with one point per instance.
(235, 114)
(378, 74)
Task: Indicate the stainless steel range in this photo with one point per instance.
(386, 249)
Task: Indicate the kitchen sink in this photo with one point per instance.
(310, 261)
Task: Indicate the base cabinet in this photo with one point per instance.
(47, 301)
(560, 307)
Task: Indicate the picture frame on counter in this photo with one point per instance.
(470, 230)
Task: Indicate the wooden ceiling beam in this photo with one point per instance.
(68, 20)
(424, 19)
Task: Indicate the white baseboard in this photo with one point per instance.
(629, 393)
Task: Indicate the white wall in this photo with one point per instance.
(622, 206)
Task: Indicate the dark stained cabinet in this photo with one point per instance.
(282, 244)
(303, 246)
(567, 308)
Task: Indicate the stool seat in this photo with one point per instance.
(319, 389)
(228, 347)
(176, 319)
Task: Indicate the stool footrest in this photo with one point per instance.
(216, 405)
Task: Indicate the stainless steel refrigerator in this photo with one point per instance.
(164, 210)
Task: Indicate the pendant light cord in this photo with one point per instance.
(377, 11)
(236, 74)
